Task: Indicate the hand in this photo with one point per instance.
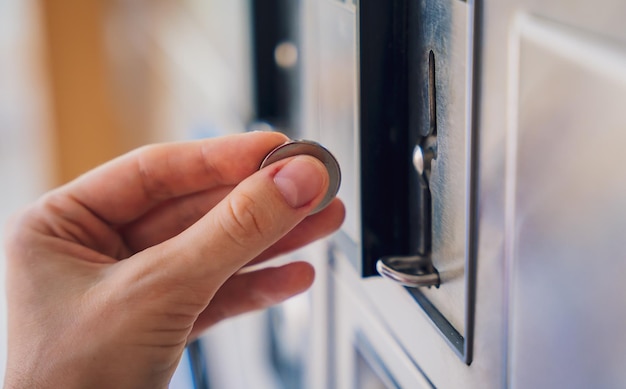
(111, 275)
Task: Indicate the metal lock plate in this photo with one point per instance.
(441, 47)
(415, 75)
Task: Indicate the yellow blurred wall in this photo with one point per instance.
(87, 123)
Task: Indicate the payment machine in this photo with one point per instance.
(480, 144)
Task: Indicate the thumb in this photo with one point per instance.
(256, 214)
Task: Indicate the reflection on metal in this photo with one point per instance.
(412, 271)
(456, 341)
(418, 160)
(314, 149)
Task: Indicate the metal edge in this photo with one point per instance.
(471, 250)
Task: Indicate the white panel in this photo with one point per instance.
(358, 327)
(567, 199)
(338, 99)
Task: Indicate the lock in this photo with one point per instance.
(406, 132)
(424, 234)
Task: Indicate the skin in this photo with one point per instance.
(110, 276)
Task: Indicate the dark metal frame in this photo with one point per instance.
(385, 155)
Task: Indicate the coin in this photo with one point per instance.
(314, 149)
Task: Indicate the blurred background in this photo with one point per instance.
(26, 138)
(527, 229)
(82, 81)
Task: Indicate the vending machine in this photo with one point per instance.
(482, 151)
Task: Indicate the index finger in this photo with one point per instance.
(125, 188)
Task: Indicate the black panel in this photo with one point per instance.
(276, 92)
(385, 143)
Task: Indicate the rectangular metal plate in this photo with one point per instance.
(566, 208)
(373, 71)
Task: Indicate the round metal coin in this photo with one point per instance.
(314, 149)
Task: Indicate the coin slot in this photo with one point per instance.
(432, 94)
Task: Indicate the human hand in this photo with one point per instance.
(111, 275)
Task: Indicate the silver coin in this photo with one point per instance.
(314, 149)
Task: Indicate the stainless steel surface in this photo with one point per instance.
(446, 58)
(314, 149)
(440, 205)
(414, 272)
(550, 130)
(567, 207)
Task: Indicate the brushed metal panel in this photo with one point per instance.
(567, 215)
(445, 28)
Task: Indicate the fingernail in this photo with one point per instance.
(301, 180)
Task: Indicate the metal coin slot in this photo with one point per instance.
(314, 149)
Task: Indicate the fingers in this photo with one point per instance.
(311, 229)
(255, 215)
(256, 290)
(171, 218)
(125, 188)
(176, 215)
